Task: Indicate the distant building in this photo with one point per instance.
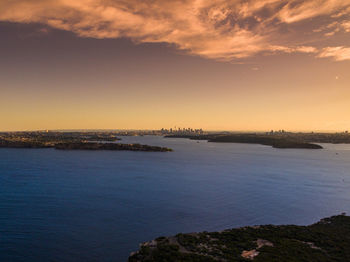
(182, 131)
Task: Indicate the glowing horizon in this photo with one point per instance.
(217, 65)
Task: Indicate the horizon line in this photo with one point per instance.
(145, 129)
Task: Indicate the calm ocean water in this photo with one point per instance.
(86, 206)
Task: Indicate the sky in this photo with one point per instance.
(212, 64)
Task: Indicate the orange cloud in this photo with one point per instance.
(339, 53)
(295, 11)
(220, 29)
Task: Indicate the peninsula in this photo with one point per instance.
(110, 146)
(262, 139)
(276, 142)
(72, 141)
(328, 240)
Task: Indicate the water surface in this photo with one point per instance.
(99, 205)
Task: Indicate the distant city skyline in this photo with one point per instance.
(195, 131)
(218, 65)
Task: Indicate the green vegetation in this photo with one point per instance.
(327, 240)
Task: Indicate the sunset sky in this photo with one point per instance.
(211, 64)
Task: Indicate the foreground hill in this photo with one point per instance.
(327, 240)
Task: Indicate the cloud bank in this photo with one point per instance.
(216, 29)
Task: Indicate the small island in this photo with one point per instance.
(328, 240)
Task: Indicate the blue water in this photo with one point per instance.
(99, 205)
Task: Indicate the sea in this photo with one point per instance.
(82, 206)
